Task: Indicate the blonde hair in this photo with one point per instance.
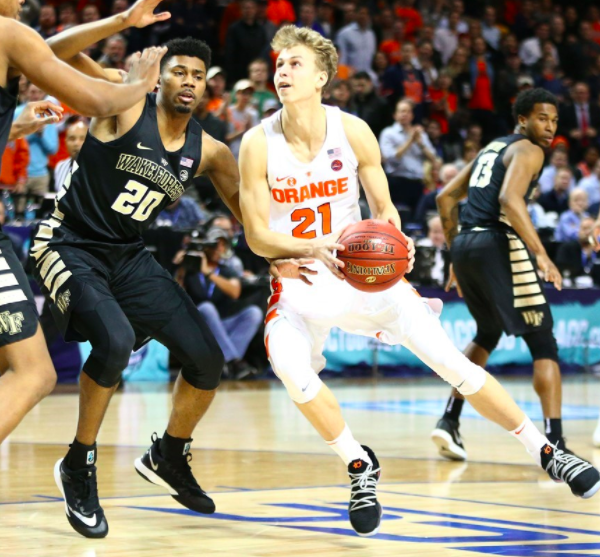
(325, 52)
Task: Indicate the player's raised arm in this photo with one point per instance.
(29, 54)
(448, 199)
(68, 44)
(524, 160)
(255, 205)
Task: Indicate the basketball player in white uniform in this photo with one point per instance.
(299, 188)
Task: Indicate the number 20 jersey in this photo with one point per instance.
(310, 200)
(483, 207)
(117, 189)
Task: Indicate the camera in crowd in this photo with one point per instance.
(200, 243)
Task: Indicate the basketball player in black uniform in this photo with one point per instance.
(493, 259)
(103, 286)
(27, 373)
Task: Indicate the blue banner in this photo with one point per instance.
(576, 327)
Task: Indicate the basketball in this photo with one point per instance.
(376, 255)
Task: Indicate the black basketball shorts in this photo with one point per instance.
(76, 274)
(18, 313)
(499, 282)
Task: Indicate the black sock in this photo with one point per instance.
(553, 429)
(174, 447)
(454, 408)
(80, 456)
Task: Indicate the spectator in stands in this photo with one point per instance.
(391, 47)
(241, 116)
(469, 152)
(213, 126)
(404, 81)
(246, 40)
(308, 18)
(537, 213)
(270, 107)
(262, 19)
(13, 169)
(404, 149)
(490, 29)
(368, 105)
(219, 97)
(559, 159)
(258, 72)
(525, 20)
(531, 49)
(114, 53)
(580, 121)
(228, 259)
(90, 13)
(42, 144)
(577, 257)
(456, 7)
(568, 223)
(216, 291)
(434, 256)
(378, 69)
(434, 133)
(67, 17)
(183, 214)
(551, 78)
(557, 199)
(406, 12)
(383, 25)
(444, 101)
(357, 41)
(325, 12)
(591, 185)
(426, 63)
(76, 133)
(586, 166)
(341, 96)
(280, 12)
(446, 38)
(481, 100)
(427, 204)
(586, 49)
(47, 22)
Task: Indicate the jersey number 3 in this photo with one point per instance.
(307, 216)
(138, 201)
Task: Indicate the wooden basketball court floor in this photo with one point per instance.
(280, 490)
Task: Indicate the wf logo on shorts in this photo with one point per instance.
(534, 318)
(11, 323)
(63, 300)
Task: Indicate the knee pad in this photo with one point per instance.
(455, 368)
(488, 340)
(542, 345)
(206, 373)
(290, 355)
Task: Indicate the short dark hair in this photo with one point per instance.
(526, 100)
(187, 47)
(362, 75)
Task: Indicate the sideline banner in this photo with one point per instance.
(576, 327)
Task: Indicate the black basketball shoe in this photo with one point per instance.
(578, 474)
(446, 437)
(364, 510)
(175, 476)
(79, 489)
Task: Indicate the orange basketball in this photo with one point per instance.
(376, 255)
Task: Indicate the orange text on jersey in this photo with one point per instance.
(330, 188)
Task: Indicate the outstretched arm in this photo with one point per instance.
(29, 54)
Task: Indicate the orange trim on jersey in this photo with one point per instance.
(267, 345)
(271, 315)
(273, 300)
(415, 291)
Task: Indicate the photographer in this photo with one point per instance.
(431, 265)
(216, 290)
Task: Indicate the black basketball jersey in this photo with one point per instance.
(483, 204)
(8, 103)
(117, 189)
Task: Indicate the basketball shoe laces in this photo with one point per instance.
(86, 490)
(566, 466)
(362, 489)
(182, 470)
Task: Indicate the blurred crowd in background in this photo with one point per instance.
(434, 79)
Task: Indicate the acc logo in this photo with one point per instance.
(183, 175)
(336, 165)
(291, 181)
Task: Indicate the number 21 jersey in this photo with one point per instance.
(310, 200)
(117, 189)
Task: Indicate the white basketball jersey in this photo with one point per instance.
(309, 200)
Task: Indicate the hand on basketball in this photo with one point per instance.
(292, 269)
(395, 221)
(452, 282)
(323, 250)
(36, 115)
(141, 14)
(549, 271)
(146, 66)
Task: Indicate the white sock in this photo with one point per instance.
(348, 448)
(531, 438)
